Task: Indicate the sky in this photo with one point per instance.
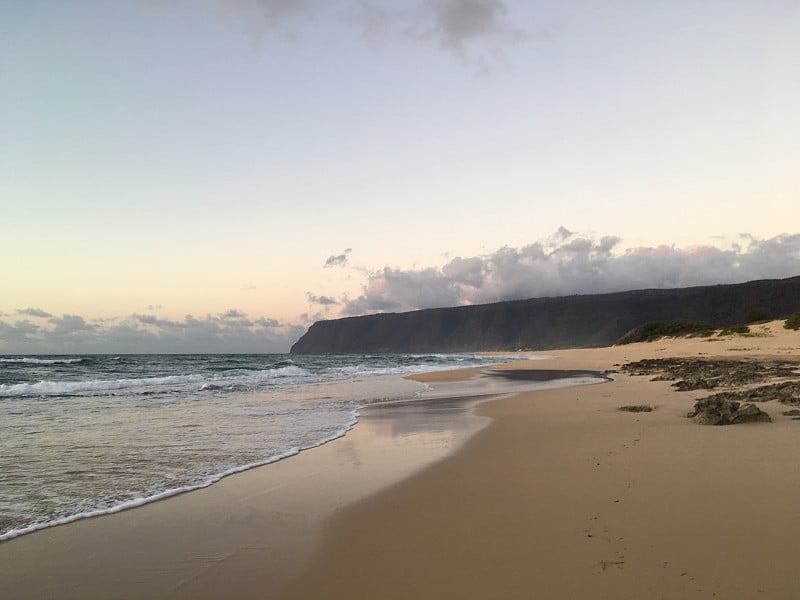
(216, 175)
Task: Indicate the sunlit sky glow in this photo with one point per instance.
(215, 175)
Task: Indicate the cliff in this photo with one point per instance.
(541, 323)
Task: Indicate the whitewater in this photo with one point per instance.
(87, 435)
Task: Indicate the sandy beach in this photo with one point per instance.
(546, 494)
(565, 496)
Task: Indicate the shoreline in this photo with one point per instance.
(469, 395)
(553, 491)
(382, 388)
(253, 529)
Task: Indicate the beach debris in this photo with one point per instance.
(604, 564)
(721, 411)
(636, 408)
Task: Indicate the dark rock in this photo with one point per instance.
(786, 392)
(637, 408)
(750, 413)
(791, 413)
(695, 383)
(721, 411)
(707, 374)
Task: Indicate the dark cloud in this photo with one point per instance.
(321, 300)
(454, 25)
(267, 323)
(34, 312)
(568, 263)
(459, 22)
(338, 260)
(309, 318)
(18, 334)
(72, 325)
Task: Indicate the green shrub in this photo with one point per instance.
(652, 331)
(793, 322)
(735, 330)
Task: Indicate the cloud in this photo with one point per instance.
(67, 325)
(338, 260)
(34, 312)
(321, 300)
(394, 290)
(568, 263)
(309, 318)
(267, 323)
(460, 22)
(230, 331)
(454, 25)
(233, 314)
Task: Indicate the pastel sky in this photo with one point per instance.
(214, 175)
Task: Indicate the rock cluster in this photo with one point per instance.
(721, 411)
(636, 408)
(786, 392)
(708, 374)
(740, 377)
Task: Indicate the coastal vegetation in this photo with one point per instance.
(684, 327)
(674, 327)
(735, 330)
(793, 322)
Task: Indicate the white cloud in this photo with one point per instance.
(569, 263)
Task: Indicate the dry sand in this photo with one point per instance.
(561, 495)
(564, 496)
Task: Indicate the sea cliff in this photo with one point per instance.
(540, 323)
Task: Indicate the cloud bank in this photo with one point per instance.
(564, 263)
(568, 263)
(231, 331)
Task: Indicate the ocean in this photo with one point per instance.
(86, 435)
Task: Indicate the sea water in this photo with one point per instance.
(86, 435)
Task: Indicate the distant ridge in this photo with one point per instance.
(542, 323)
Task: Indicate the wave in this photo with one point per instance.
(423, 363)
(58, 388)
(135, 502)
(42, 361)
